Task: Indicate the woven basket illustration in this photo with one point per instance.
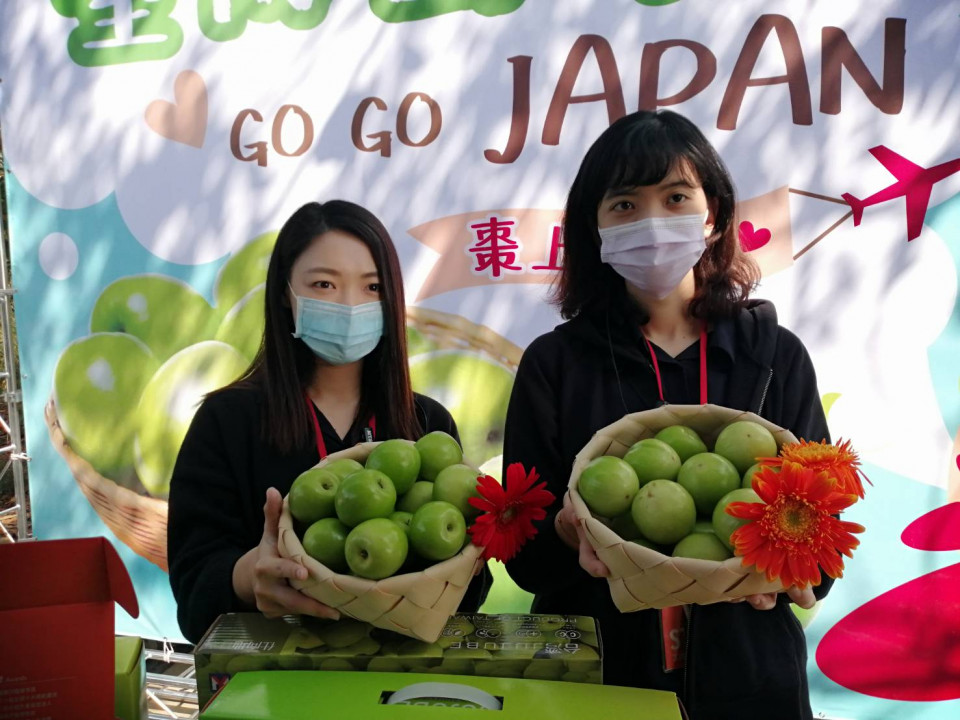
(642, 578)
(139, 521)
(417, 604)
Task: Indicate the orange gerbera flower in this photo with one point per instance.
(509, 513)
(839, 461)
(793, 533)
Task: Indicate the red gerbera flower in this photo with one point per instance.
(837, 461)
(509, 512)
(793, 533)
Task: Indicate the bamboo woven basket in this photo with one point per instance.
(416, 604)
(140, 521)
(641, 578)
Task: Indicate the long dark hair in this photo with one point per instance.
(641, 149)
(284, 366)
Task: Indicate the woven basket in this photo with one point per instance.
(140, 521)
(641, 578)
(416, 604)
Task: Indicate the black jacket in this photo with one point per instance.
(588, 373)
(218, 490)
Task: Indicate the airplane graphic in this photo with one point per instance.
(913, 182)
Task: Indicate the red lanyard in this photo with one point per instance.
(703, 366)
(321, 445)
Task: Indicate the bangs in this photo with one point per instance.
(645, 156)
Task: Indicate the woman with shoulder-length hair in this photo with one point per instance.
(655, 290)
(331, 371)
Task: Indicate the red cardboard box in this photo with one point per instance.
(56, 611)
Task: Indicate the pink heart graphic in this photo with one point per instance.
(751, 239)
(185, 119)
(938, 529)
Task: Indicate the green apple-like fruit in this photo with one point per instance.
(312, 495)
(664, 511)
(608, 486)
(402, 519)
(474, 389)
(242, 326)
(96, 386)
(169, 402)
(708, 477)
(399, 460)
(703, 526)
(456, 484)
(420, 493)
(437, 530)
(325, 541)
(724, 524)
(245, 270)
(437, 451)
(653, 459)
(343, 467)
(376, 548)
(364, 495)
(684, 440)
(705, 546)
(167, 314)
(743, 442)
(751, 471)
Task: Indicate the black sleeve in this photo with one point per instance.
(803, 414)
(205, 532)
(803, 408)
(532, 437)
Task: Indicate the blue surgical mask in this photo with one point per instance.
(339, 334)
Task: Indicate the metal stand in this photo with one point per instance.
(11, 435)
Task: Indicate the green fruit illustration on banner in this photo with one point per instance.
(244, 271)
(417, 343)
(167, 314)
(169, 402)
(242, 326)
(475, 390)
(399, 11)
(97, 383)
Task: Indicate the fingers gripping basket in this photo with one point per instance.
(416, 604)
(641, 578)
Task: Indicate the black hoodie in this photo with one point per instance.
(588, 373)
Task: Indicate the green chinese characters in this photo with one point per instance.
(121, 33)
(394, 11)
(243, 11)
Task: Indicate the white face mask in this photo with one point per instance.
(654, 254)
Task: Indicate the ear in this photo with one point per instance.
(710, 222)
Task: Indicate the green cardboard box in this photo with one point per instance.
(391, 696)
(130, 677)
(545, 647)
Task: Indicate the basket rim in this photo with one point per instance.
(594, 527)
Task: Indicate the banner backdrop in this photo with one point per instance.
(154, 147)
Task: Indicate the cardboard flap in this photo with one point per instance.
(63, 572)
(121, 586)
